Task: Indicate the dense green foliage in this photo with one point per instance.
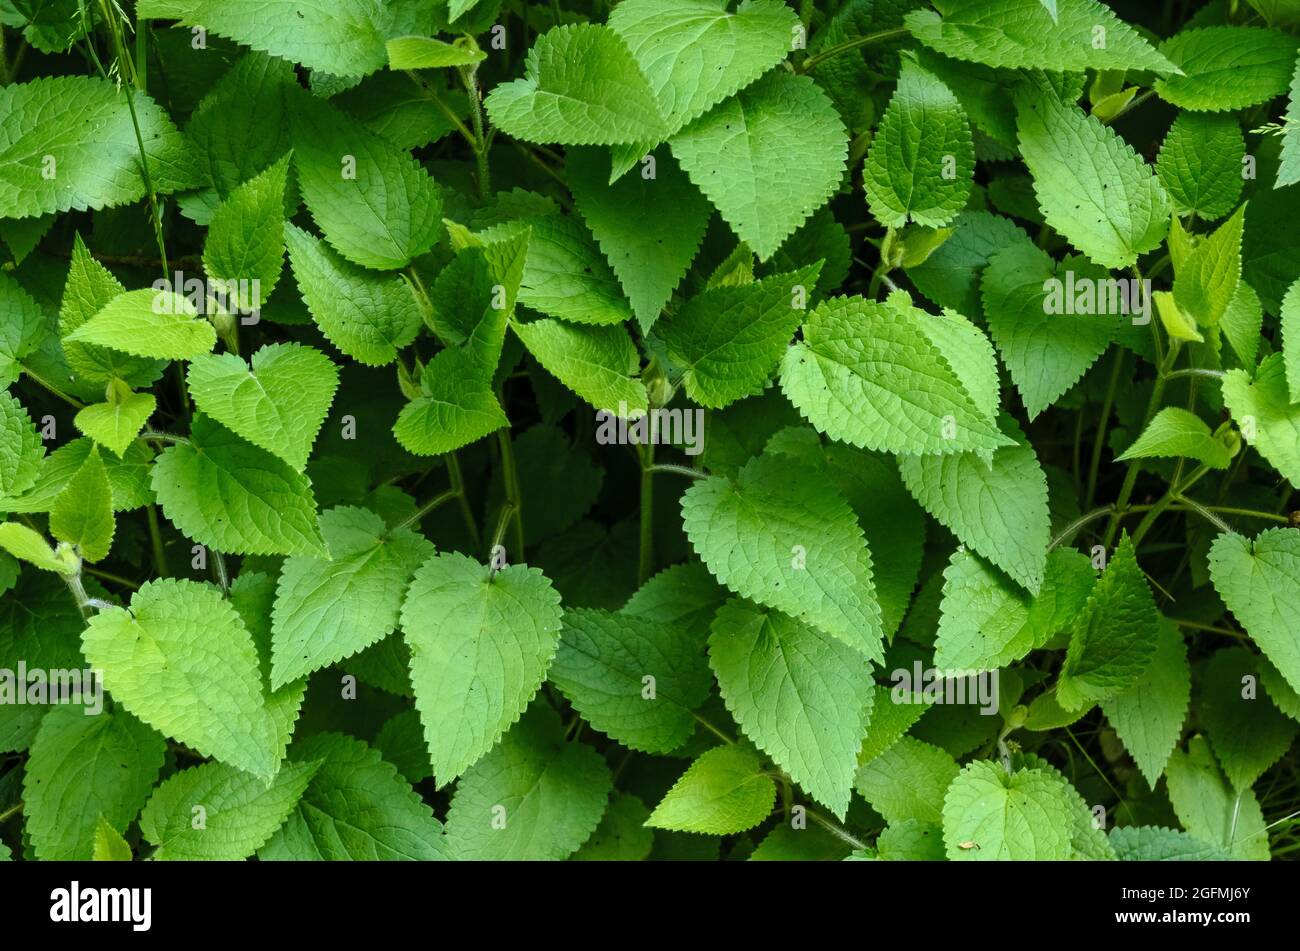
(488, 429)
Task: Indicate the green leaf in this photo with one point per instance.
(803, 697)
(1241, 323)
(1046, 344)
(373, 202)
(1149, 715)
(343, 37)
(1288, 172)
(696, 53)
(86, 769)
(858, 373)
(23, 326)
(1115, 638)
(1211, 810)
(990, 815)
(600, 364)
(21, 448)
(723, 792)
(782, 535)
(1268, 419)
(1227, 67)
(129, 477)
(115, 423)
(244, 250)
(533, 798)
(649, 227)
(1200, 164)
(634, 679)
(89, 288)
(83, 513)
(109, 845)
(69, 142)
(234, 497)
(481, 644)
(1176, 432)
(908, 781)
(475, 295)
(1154, 844)
(1247, 732)
(1290, 325)
(922, 159)
(31, 546)
(911, 841)
(356, 808)
(279, 404)
(729, 339)
(424, 52)
(998, 509)
(1259, 581)
(1023, 34)
(149, 323)
(367, 316)
(581, 86)
(253, 596)
(1092, 187)
(329, 609)
(767, 158)
(239, 812)
(182, 661)
(986, 622)
(1207, 277)
(457, 406)
(622, 835)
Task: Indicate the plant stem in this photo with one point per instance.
(457, 480)
(1107, 405)
(678, 470)
(510, 476)
(11, 812)
(109, 576)
(219, 568)
(155, 540)
(835, 829)
(469, 75)
(425, 509)
(812, 62)
(645, 560)
(433, 97)
(1173, 495)
(46, 384)
(1195, 372)
(713, 729)
(165, 437)
(503, 520)
(1079, 522)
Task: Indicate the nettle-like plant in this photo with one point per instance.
(671, 428)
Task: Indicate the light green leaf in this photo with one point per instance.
(581, 86)
(1259, 581)
(986, 622)
(1207, 278)
(1023, 34)
(723, 792)
(998, 509)
(767, 158)
(244, 250)
(922, 158)
(728, 340)
(551, 795)
(1154, 844)
(240, 812)
(908, 781)
(83, 513)
(69, 142)
(648, 226)
(425, 52)
(23, 326)
(115, 423)
(696, 53)
(374, 203)
(1227, 67)
(1115, 637)
(457, 407)
(343, 37)
(1246, 731)
(990, 815)
(781, 534)
(30, 546)
(858, 375)
(1149, 715)
(129, 477)
(149, 323)
(481, 643)
(329, 609)
(109, 845)
(182, 661)
(1200, 164)
(229, 495)
(278, 405)
(1288, 171)
(1268, 419)
(600, 364)
(368, 316)
(1091, 186)
(356, 808)
(21, 448)
(1290, 325)
(1175, 432)
(602, 665)
(801, 696)
(1211, 810)
(82, 768)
